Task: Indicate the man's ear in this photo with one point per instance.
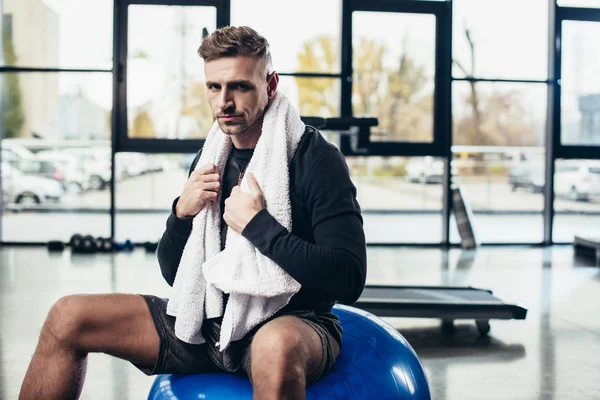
(272, 83)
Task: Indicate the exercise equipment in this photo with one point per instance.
(445, 303)
(55, 245)
(376, 363)
(587, 246)
(124, 246)
(76, 241)
(356, 130)
(150, 247)
(104, 245)
(87, 244)
(83, 244)
(464, 218)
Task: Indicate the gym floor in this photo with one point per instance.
(553, 354)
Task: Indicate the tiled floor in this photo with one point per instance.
(553, 354)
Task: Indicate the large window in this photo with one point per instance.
(56, 120)
(400, 197)
(580, 83)
(144, 195)
(500, 39)
(577, 199)
(166, 90)
(499, 116)
(394, 71)
(304, 35)
(305, 46)
(498, 157)
(391, 60)
(58, 34)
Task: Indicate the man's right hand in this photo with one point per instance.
(203, 185)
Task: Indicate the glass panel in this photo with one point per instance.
(58, 188)
(65, 34)
(149, 183)
(580, 83)
(394, 69)
(166, 91)
(56, 155)
(57, 106)
(399, 192)
(579, 3)
(312, 28)
(508, 39)
(318, 97)
(577, 199)
(498, 158)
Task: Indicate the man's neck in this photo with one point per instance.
(248, 139)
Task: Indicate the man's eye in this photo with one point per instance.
(213, 87)
(241, 86)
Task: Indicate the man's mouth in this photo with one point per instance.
(230, 117)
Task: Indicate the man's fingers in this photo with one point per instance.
(211, 186)
(209, 178)
(253, 184)
(207, 169)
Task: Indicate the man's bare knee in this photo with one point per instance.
(64, 321)
(279, 353)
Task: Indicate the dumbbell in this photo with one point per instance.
(55, 245)
(83, 244)
(150, 247)
(104, 245)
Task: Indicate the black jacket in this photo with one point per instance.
(325, 251)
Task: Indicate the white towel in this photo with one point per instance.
(257, 286)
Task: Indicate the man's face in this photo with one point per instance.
(237, 91)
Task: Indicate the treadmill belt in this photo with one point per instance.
(431, 296)
(446, 303)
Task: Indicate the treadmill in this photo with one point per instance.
(587, 246)
(445, 303)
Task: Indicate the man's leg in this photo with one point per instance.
(285, 353)
(115, 324)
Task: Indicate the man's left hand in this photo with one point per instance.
(241, 207)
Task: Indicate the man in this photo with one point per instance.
(324, 252)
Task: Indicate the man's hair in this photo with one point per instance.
(231, 41)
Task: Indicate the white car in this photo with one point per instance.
(425, 170)
(13, 152)
(579, 180)
(75, 177)
(27, 190)
(96, 165)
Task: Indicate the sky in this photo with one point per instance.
(508, 44)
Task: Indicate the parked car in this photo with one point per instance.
(41, 168)
(12, 153)
(578, 180)
(96, 165)
(527, 176)
(26, 189)
(425, 170)
(75, 177)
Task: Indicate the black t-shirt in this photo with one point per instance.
(236, 164)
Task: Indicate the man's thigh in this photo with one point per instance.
(115, 324)
(300, 337)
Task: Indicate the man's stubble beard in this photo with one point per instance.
(234, 129)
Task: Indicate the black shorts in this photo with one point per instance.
(178, 357)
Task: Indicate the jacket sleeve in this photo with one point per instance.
(335, 264)
(174, 238)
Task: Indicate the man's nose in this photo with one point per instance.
(225, 99)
